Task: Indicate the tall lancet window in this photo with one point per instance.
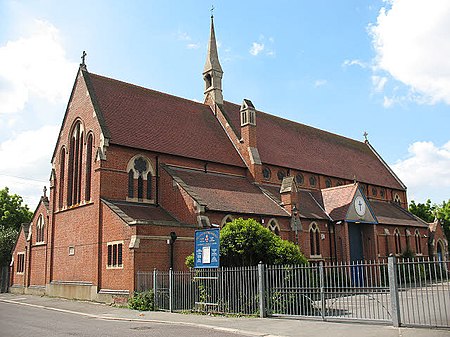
(75, 165)
(62, 168)
(87, 194)
(140, 179)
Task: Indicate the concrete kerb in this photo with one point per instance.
(273, 327)
(143, 320)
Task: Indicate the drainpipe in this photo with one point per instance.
(171, 241)
(157, 182)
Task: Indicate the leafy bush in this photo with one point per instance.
(142, 301)
(247, 242)
(189, 261)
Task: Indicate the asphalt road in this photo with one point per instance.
(18, 321)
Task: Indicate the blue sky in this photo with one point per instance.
(343, 66)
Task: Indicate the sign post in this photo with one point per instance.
(207, 248)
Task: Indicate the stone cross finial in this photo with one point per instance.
(45, 191)
(83, 58)
(365, 134)
(212, 10)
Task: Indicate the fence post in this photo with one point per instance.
(261, 291)
(155, 285)
(393, 289)
(322, 290)
(170, 289)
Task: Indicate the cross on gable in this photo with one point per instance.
(83, 58)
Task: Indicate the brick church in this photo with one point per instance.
(135, 172)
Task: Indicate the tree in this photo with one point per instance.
(247, 242)
(424, 211)
(443, 214)
(428, 212)
(12, 215)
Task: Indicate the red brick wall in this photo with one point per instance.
(38, 253)
(115, 229)
(77, 227)
(21, 247)
(381, 237)
(175, 200)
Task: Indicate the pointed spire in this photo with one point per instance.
(212, 72)
(212, 58)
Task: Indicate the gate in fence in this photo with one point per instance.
(407, 292)
(4, 279)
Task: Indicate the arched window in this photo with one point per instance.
(397, 199)
(140, 169)
(227, 218)
(328, 183)
(40, 229)
(398, 245)
(299, 179)
(87, 194)
(314, 239)
(75, 166)
(274, 227)
(140, 187)
(408, 237)
(149, 185)
(130, 184)
(417, 242)
(312, 181)
(62, 168)
(266, 173)
(386, 241)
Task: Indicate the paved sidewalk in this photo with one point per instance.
(243, 326)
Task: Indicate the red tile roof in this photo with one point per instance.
(391, 214)
(139, 213)
(336, 200)
(293, 145)
(154, 121)
(225, 193)
(309, 205)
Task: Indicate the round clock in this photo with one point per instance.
(360, 205)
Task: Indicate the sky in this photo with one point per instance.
(346, 66)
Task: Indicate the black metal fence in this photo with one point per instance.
(412, 292)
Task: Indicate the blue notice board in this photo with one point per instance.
(207, 248)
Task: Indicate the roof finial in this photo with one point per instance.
(83, 59)
(365, 134)
(354, 179)
(212, 10)
(45, 191)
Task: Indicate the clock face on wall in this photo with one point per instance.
(360, 205)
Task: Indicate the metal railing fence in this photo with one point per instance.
(424, 292)
(342, 291)
(412, 292)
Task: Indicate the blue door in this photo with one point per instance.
(355, 237)
(356, 254)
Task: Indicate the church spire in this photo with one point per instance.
(212, 72)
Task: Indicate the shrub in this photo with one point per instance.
(189, 261)
(142, 301)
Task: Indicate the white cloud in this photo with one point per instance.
(410, 38)
(183, 36)
(319, 83)
(379, 82)
(426, 171)
(193, 45)
(24, 69)
(348, 63)
(256, 48)
(25, 162)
